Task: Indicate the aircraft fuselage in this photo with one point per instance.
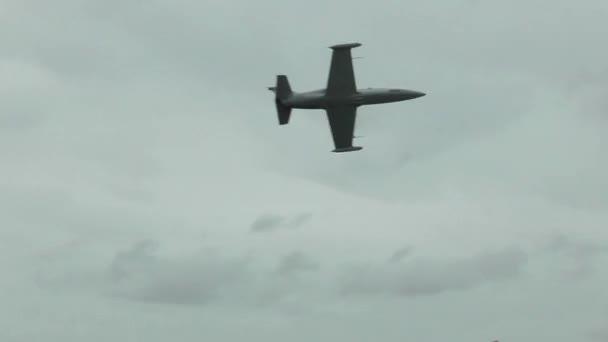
(340, 98)
(317, 99)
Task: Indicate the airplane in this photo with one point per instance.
(340, 99)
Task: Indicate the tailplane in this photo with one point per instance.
(282, 92)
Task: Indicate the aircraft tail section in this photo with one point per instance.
(282, 92)
(283, 112)
(283, 89)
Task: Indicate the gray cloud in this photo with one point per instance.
(424, 277)
(577, 247)
(141, 274)
(122, 122)
(600, 335)
(301, 219)
(296, 262)
(400, 254)
(577, 257)
(267, 223)
(205, 278)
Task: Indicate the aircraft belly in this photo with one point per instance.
(358, 100)
(340, 98)
(366, 99)
(378, 99)
(306, 103)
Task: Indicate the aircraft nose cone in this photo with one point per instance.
(416, 94)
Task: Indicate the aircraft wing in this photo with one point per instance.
(342, 124)
(341, 79)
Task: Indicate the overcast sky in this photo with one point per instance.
(147, 192)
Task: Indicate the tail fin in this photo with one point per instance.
(282, 92)
(283, 89)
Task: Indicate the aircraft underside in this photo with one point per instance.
(340, 99)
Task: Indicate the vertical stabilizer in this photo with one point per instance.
(283, 89)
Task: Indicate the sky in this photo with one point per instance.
(147, 192)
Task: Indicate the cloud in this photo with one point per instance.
(207, 277)
(400, 254)
(140, 274)
(600, 335)
(267, 223)
(425, 277)
(146, 189)
(576, 247)
(296, 262)
(578, 257)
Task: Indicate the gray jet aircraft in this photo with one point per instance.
(340, 99)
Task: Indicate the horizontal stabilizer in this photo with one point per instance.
(282, 91)
(345, 46)
(348, 149)
(283, 112)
